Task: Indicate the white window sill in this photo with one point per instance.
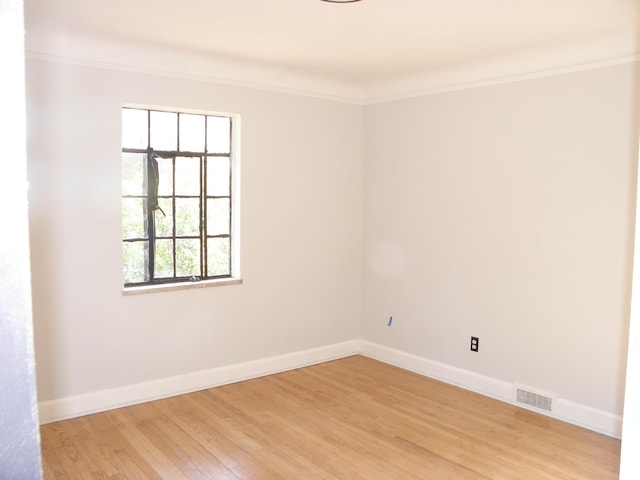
(170, 287)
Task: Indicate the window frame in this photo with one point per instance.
(151, 236)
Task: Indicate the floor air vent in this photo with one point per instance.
(534, 399)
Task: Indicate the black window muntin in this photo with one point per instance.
(151, 208)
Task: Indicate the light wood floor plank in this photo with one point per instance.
(350, 419)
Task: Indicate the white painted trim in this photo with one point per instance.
(93, 402)
(565, 410)
(303, 88)
(444, 82)
(92, 52)
(102, 400)
(172, 287)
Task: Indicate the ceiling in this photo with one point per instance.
(360, 43)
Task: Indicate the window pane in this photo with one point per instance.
(133, 174)
(164, 223)
(134, 128)
(218, 176)
(165, 176)
(183, 185)
(134, 262)
(218, 259)
(187, 257)
(191, 133)
(218, 215)
(218, 134)
(164, 259)
(164, 131)
(187, 216)
(133, 218)
(188, 176)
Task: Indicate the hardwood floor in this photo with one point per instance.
(354, 418)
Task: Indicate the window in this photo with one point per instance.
(177, 221)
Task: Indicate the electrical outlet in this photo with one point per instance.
(475, 343)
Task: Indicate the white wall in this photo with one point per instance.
(19, 434)
(506, 212)
(629, 461)
(301, 233)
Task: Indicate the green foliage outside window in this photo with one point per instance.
(182, 233)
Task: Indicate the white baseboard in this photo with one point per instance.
(571, 412)
(565, 410)
(102, 400)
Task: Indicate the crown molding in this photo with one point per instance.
(550, 60)
(118, 55)
(320, 93)
(133, 57)
(424, 85)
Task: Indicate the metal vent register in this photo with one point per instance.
(534, 399)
